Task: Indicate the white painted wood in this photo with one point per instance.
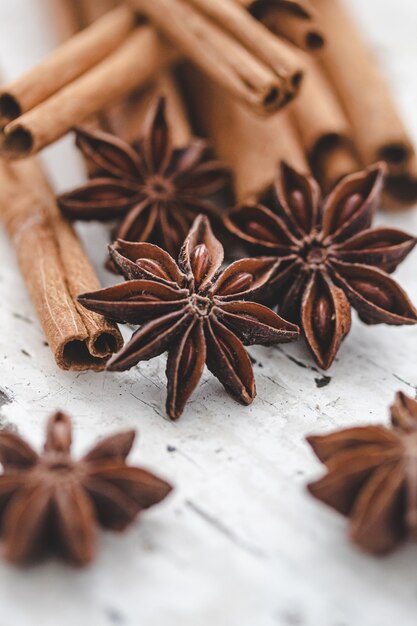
(240, 543)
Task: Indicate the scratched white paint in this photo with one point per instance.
(239, 543)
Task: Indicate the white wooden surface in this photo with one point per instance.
(239, 543)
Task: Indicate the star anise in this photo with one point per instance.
(50, 502)
(194, 312)
(155, 189)
(332, 258)
(372, 478)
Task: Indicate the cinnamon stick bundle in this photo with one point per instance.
(378, 130)
(295, 20)
(66, 63)
(55, 269)
(134, 63)
(324, 129)
(231, 47)
(251, 145)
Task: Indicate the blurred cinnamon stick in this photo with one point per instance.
(324, 129)
(54, 268)
(66, 63)
(251, 145)
(378, 130)
(231, 48)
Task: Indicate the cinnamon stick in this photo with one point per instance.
(324, 129)
(133, 64)
(55, 269)
(69, 61)
(231, 48)
(378, 130)
(251, 145)
(295, 20)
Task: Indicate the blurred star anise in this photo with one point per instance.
(155, 189)
(332, 258)
(372, 478)
(193, 311)
(50, 502)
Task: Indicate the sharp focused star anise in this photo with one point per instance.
(52, 503)
(155, 189)
(194, 312)
(372, 478)
(332, 258)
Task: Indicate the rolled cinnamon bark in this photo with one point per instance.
(66, 63)
(251, 145)
(378, 130)
(295, 20)
(231, 48)
(131, 65)
(54, 268)
(324, 129)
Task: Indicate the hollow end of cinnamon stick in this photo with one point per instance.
(314, 41)
(81, 353)
(394, 154)
(9, 109)
(400, 193)
(17, 142)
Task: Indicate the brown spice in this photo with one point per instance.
(52, 503)
(55, 269)
(196, 314)
(65, 64)
(249, 144)
(231, 48)
(371, 478)
(132, 65)
(331, 257)
(157, 190)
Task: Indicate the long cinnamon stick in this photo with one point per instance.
(324, 129)
(295, 20)
(379, 131)
(66, 63)
(231, 48)
(55, 269)
(131, 65)
(251, 145)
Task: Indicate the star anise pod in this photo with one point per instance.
(332, 258)
(372, 478)
(154, 189)
(51, 503)
(194, 312)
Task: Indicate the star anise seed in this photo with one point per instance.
(332, 258)
(193, 311)
(372, 478)
(52, 503)
(154, 189)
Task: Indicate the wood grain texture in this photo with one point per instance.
(239, 543)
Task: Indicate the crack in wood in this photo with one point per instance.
(225, 531)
